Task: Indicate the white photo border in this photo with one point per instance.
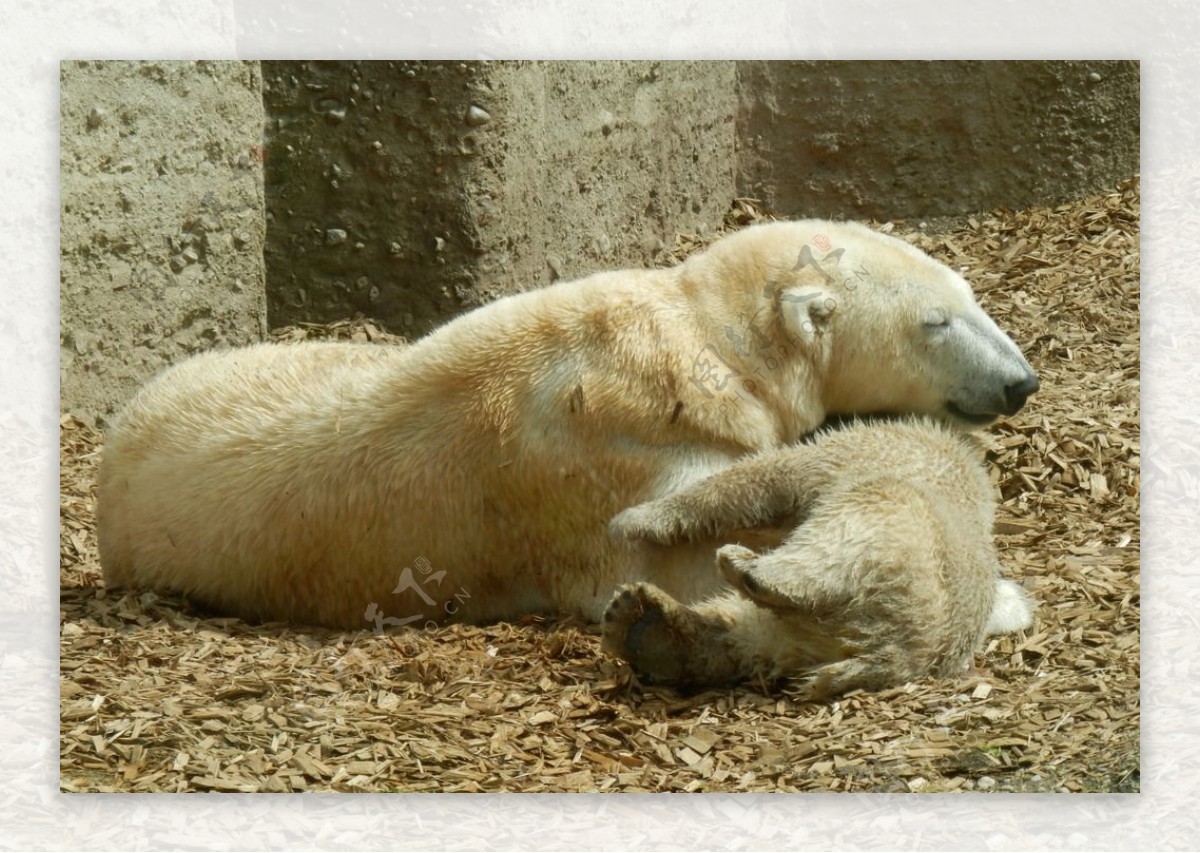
(37, 37)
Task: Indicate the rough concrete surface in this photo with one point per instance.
(414, 191)
(925, 139)
(411, 191)
(161, 220)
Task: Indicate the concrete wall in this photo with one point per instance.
(414, 191)
(161, 220)
(919, 139)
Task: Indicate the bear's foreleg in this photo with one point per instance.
(771, 489)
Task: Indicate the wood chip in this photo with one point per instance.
(701, 740)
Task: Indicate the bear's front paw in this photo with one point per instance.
(646, 523)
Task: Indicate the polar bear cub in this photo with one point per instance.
(889, 575)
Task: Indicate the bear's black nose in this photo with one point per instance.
(1016, 394)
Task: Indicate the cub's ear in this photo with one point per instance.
(806, 309)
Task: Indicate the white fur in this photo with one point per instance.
(1012, 610)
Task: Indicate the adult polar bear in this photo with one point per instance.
(302, 482)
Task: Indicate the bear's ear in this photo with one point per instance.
(806, 309)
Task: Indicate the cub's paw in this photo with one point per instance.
(756, 579)
(632, 605)
(833, 679)
(638, 626)
(646, 523)
(736, 564)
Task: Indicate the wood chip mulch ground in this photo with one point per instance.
(156, 696)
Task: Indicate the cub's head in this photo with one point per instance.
(895, 330)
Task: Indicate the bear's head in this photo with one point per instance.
(895, 331)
